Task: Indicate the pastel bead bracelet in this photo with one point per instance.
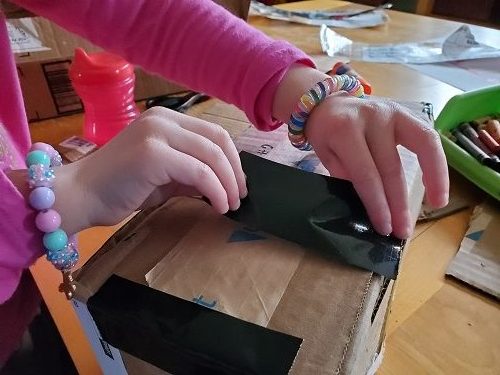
(314, 96)
(61, 251)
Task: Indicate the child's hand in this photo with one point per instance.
(356, 139)
(160, 155)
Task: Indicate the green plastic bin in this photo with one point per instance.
(467, 107)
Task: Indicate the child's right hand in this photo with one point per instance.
(160, 155)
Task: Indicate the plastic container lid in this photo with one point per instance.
(99, 68)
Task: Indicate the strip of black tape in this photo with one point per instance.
(182, 337)
(319, 212)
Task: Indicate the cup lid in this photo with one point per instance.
(99, 67)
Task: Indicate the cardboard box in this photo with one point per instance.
(331, 314)
(43, 74)
(336, 310)
(180, 289)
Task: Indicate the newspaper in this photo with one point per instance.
(348, 18)
(460, 45)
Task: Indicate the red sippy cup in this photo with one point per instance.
(105, 84)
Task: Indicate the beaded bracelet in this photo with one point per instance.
(61, 251)
(310, 99)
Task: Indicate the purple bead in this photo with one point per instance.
(42, 198)
(48, 221)
(40, 146)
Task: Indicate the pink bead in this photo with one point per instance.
(48, 221)
(44, 147)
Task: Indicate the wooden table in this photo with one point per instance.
(436, 325)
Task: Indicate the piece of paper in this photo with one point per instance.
(342, 17)
(75, 148)
(478, 260)
(465, 75)
(460, 45)
(232, 269)
(275, 146)
(23, 36)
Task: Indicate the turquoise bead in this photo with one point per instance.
(38, 157)
(55, 241)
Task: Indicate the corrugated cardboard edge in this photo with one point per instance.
(367, 336)
(349, 364)
(477, 262)
(353, 328)
(94, 264)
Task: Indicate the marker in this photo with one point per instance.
(343, 68)
(493, 127)
(470, 133)
(488, 140)
(476, 152)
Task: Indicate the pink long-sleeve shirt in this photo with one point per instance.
(193, 42)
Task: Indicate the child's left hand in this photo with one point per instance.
(356, 139)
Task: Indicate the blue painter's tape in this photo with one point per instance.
(475, 236)
(241, 235)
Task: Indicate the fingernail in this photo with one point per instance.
(225, 209)
(409, 232)
(408, 228)
(385, 229)
(244, 193)
(444, 199)
(236, 205)
(405, 233)
(438, 202)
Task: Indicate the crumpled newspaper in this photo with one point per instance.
(342, 17)
(460, 45)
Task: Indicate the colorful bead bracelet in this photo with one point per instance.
(314, 96)
(61, 251)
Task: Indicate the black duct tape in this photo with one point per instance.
(182, 337)
(319, 212)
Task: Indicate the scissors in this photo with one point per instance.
(179, 102)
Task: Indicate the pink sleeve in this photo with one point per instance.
(20, 241)
(193, 42)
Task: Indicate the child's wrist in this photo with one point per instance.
(296, 81)
(70, 202)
